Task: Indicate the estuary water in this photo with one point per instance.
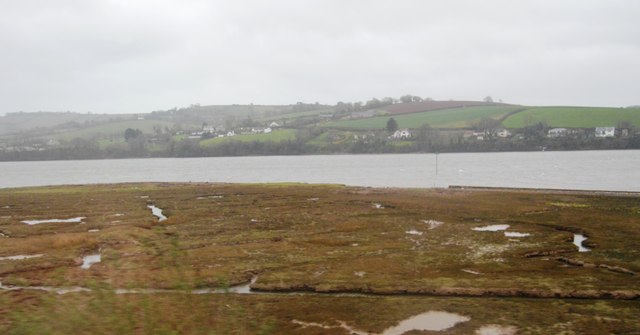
(616, 170)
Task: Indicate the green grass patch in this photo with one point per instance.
(295, 115)
(446, 118)
(274, 136)
(401, 144)
(568, 205)
(574, 117)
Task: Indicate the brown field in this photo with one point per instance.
(368, 257)
(425, 106)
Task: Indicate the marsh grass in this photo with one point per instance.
(291, 242)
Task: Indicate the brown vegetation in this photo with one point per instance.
(319, 239)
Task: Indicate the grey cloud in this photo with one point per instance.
(138, 56)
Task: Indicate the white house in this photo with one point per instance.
(503, 133)
(208, 129)
(231, 133)
(606, 132)
(401, 134)
(557, 132)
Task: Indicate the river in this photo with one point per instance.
(614, 170)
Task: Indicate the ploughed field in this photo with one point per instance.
(319, 259)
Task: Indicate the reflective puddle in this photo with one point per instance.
(240, 289)
(495, 227)
(432, 320)
(577, 241)
(433, 224)
(471, 272)
(429, 321)
(58, 290)
(89, 260)
(496, 330)
(157, 212)
(515, 234)
(19, 257)
(35, 222)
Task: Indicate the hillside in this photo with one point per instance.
(13, 123)
(574, 117)
(461, 117)
(431, 105)
(235, 130)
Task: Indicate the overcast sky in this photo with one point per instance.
(127, 56)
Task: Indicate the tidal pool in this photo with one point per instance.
(496, 330)
(35, 222)
(515, 234)
(58, 290)
(20, 257)
(431, 321)
(89, 260)
(577, 241)
(157, 212)
(495, 227)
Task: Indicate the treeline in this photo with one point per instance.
(426, 142)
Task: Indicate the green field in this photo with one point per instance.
(14, 122)
(446, 118)
(574, 117)
(146, 126)
(274, 136)
(296, 115)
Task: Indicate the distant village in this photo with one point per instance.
(300, 128)
(599, 132)
(220, 131)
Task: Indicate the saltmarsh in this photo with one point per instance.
(318, 239)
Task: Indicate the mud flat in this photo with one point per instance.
(335, 260)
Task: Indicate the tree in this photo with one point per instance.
(623, 124)
(392, 125)
(130, 134)
(488, 98)
(488, 125)
(406, 98)
(427, 139)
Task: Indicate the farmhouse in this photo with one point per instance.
(503, 133)
(401, 134)
(605, 132)
(558, 132)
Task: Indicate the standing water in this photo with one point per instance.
(89, 260)
(577, 240)
(157, 212)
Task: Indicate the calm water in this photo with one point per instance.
(586, 170)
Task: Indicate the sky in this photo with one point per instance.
(137, 56)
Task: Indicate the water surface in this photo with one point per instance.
(583, 170)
